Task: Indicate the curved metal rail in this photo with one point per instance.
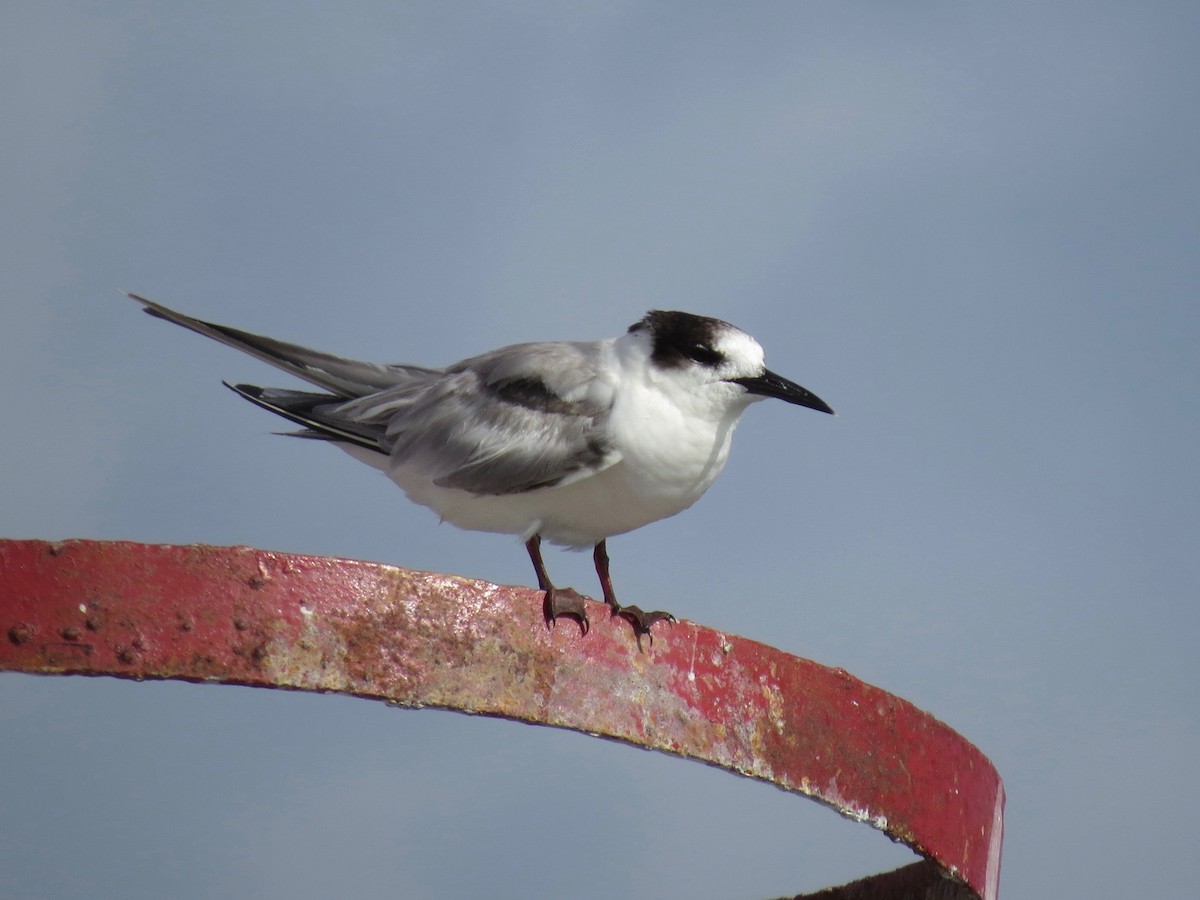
(238, 615)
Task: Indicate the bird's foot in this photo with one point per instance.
(641, 620)
(566, 602)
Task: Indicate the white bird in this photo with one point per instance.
(571, 442)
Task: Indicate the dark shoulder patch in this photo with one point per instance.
(532, 393)
(680, 337)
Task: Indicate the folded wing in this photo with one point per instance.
(520, 418)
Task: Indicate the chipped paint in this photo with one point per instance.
(243, 616)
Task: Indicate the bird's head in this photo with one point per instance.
(714, 359)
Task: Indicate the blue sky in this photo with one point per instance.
(971, 228)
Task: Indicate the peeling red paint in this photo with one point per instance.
(253, 617)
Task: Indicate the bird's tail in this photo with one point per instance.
(345, 378)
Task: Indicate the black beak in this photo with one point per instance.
(768, 384)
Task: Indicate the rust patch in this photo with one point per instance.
(244, 616)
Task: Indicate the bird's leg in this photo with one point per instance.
(559, 601)
(637, 617)
(600, 557)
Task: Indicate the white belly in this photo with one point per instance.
(651, 482)
(579, 514)
(669, 456)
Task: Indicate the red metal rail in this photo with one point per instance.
(242, 616)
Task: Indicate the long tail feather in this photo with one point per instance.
(343, 377)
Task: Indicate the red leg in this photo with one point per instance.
(559, 601)
(600, 556)
(637, 617)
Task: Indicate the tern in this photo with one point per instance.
(568, 442)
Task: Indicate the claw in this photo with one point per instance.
(559, 601)
(642, 621)
(569, 602)
(566, 602)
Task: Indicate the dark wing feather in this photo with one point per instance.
(317, 413)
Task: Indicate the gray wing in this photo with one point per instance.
(515, 419)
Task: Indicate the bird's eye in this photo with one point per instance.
(703, 354)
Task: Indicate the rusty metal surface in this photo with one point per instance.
(243, 616)
(919, 881)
